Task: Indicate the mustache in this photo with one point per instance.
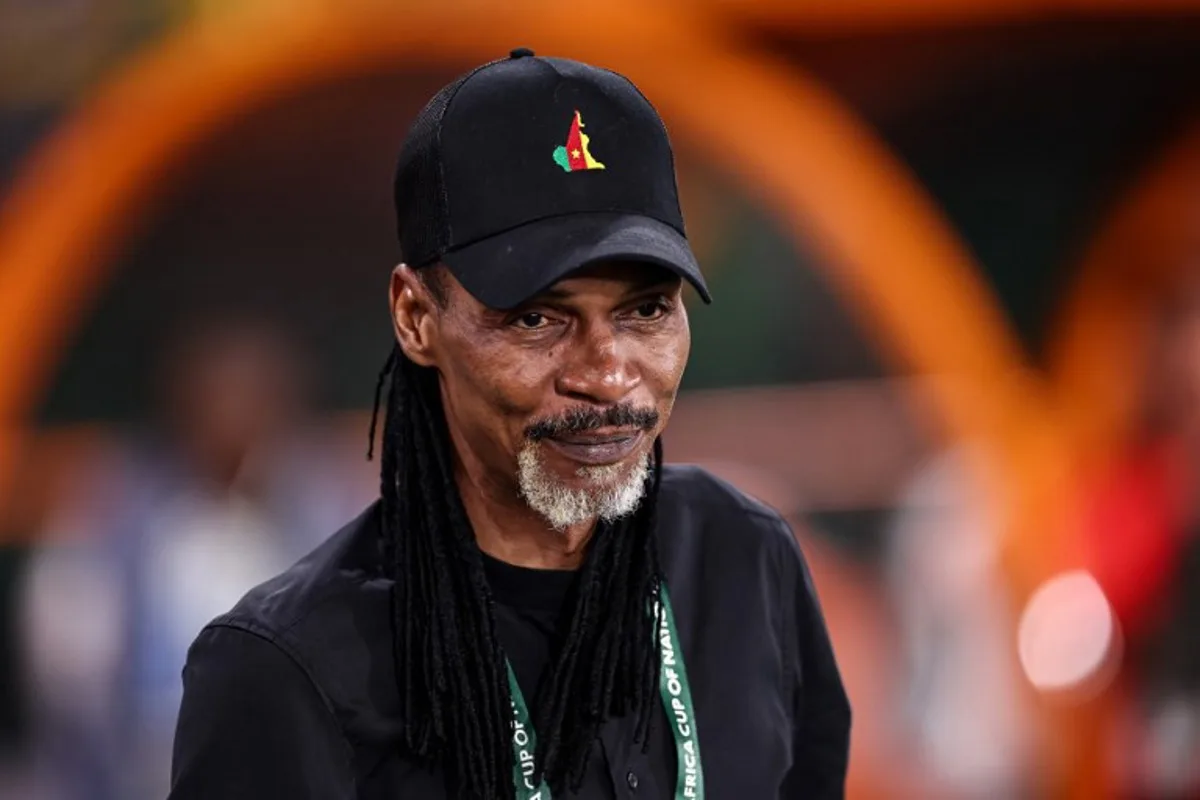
(586, 418)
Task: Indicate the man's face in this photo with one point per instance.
(560, 400)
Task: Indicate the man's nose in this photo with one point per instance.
(597, 369)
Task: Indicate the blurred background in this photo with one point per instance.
(955, 246)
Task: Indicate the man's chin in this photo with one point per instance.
(567, 493)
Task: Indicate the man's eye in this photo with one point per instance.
(531, 321)
(652, 309)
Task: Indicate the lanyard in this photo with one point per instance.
(677, 700)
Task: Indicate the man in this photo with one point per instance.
(537, 606)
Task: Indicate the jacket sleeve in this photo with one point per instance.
(253, 725)
(821, 721)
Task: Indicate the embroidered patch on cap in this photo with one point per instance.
(575, 155)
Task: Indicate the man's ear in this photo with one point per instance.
(413, 316)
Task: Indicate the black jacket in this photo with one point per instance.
(292, 694)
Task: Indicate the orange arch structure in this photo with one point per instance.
(824, 174)
(1149, 243)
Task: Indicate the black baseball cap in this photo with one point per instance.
(529, 168)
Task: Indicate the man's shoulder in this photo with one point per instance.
(329, 617)
(695, 485)
(331, 594)
(696, 504)
(715, 541)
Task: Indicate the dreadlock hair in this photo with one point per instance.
(450, 669)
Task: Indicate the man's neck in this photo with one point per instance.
(507, 529)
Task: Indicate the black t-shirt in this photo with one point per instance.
(293, 693)
(529, 616)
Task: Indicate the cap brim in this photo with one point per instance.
(509, 268)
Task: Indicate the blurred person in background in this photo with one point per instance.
(1142, 530)
(965, 719)
(226, 490)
